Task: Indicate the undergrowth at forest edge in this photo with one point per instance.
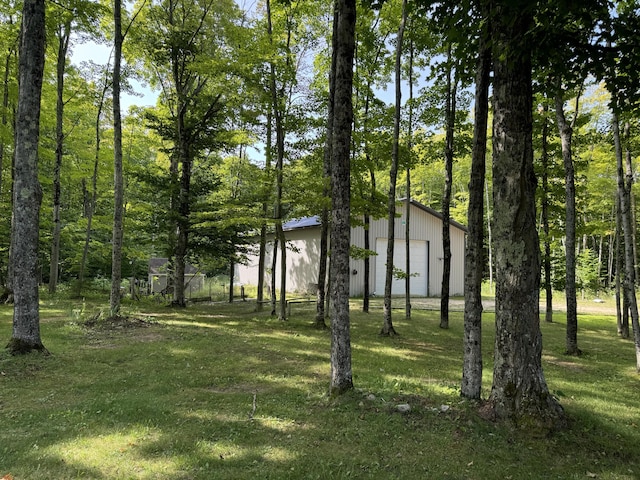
(219, 391)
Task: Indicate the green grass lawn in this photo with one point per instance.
(221, 392)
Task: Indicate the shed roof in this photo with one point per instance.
(310, 222)
(304, 222)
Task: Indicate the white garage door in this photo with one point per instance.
(419, 257)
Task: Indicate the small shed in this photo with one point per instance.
(160, 271)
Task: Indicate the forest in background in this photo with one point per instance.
(230, 180)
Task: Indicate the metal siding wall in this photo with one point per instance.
(457, 262)
(248, 274)
(302, 266)
(356, 281)
(303, 256)
(425, 226)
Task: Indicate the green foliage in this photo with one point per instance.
(400, 274)
(588, 272)
(359, 253)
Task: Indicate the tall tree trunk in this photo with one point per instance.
(367, 238)
(261, 261)
(262, 256)
(611, 248)
(326, 195)
(622, 317)
(387, 327)
(566, 133)
(282, 312)
(450, 113)
(94, 185)
(232, 270)
(474, 258)
(278, 114)
(63, 34)
(600, 254)
(367, 264)
(372, 178)
(407, 226)
(630, 180)
(489, 214)
(625, 182)
(5, 108)
(3, 147)
(344, 46)
(634, 224)
(548, 286)
(183, 221)
(274, 277)
(118, 181)
(27, 193)
(519, 392)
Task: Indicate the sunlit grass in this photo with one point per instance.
(219, 391)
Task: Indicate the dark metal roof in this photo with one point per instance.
(304, 222)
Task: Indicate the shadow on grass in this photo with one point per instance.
(224, 392)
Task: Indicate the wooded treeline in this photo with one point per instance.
(244, 137)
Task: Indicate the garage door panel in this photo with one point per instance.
(419, 262)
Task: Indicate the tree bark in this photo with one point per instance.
(118, 181)
(278, 114)
(566, 134)
(387, 327)
(548, 287)
(261, 260)
(474, 258)
(326, 194)
(622, 319)
(232, 268)
(629, 176)
(262, 256)
(27, 193)
(63, 34)
(274, 277)
(344, 46)
(94, 184)
(407, 226)
(367, 238)
(625, 182)
(519, 393)
(184, 211)
(5, 108)
(372, 178)
(4, 279)
(450, 113)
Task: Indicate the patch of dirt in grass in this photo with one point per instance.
(569, 365)
(116, 322)
(100, 329)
